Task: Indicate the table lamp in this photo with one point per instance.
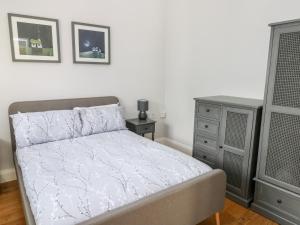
(142, 105)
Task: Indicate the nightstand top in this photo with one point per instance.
(138, 122)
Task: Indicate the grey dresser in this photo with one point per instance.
(226, 134)
(277, 189)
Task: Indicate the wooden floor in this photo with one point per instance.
(11, 212)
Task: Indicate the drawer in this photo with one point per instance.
(207, 126)
(206, 142)
(147, 128)
(208, 158)
(208, 110)
(278, 201)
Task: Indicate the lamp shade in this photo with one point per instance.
(142, 105)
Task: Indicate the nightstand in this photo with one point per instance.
(141, 127)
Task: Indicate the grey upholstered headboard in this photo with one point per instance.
(58, 104)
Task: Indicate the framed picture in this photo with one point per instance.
(34, 39)
(91, 43)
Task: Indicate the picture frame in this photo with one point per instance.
(34, 39)
(91, 43)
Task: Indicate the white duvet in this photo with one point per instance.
(72, 180)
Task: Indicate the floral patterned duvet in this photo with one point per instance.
(72, 180)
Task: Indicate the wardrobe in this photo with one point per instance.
(277, 188)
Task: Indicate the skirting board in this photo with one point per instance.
(175, 144)
(10, 174)
(7, 175)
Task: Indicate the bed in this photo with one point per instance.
(131, 180)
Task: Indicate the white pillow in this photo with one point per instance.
(40, 127)
(121, 108)
(101, 119)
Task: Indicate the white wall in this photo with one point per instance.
(137, 55)
(216, 47)
(168, 51)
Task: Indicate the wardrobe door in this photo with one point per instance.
(236, 128)
(280, 141)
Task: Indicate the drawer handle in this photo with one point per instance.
(279, 201)
(204, 157)
(207, 110)
(206, 126)
(205, 142)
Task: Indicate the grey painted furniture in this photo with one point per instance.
(277, 189)
(141, 127)
(226, 136)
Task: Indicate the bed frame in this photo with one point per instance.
(187, 203)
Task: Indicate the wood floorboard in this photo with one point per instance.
(11, 212)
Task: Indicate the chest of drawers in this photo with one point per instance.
(226, 132)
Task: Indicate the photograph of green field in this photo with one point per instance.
(35, 39)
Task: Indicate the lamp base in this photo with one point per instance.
(142, 115)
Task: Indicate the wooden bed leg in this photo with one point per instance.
(218, 218)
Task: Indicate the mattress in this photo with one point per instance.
(73, 180)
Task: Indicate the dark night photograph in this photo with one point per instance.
(91, 44)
